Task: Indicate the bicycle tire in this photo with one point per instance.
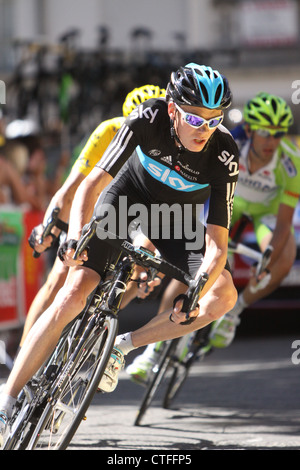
(23, 422)
(161, 369)
(181, 368)
(176, 382)
(48, 432)
(21, 430)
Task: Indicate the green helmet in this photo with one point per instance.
(268, 110)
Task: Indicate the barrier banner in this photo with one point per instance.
(20, 274)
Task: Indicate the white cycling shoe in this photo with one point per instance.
(223, 331)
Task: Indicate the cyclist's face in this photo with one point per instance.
(266, 145)
(192, 138)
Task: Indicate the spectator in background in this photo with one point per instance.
(25, 134)
(12, 188)
(25, 150)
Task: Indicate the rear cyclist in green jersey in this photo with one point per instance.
(268, 192)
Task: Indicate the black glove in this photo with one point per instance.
(69, 244)
(183, 297)
(32, 239)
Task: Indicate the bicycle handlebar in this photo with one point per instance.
(265, 259)
(148, 259)
(51, 222)
(242, 249)
(139, 254)
(191, 298)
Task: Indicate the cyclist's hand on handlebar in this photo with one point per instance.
(39, 243)
(178, 316)
(259, 282)
(66, 254)
(145, 287)
(260, 275)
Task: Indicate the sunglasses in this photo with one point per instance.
(198, 121)
(270, 132)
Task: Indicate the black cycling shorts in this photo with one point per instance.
(172, 249)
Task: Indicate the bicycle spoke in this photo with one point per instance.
(67, 406)
(74, 390)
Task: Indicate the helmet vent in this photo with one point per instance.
(267, 118)
(204, 92)
(274, 106)
(283, 118)
(218, 93)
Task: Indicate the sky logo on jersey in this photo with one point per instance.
(147, 113)
(227, 159)
(167, 176)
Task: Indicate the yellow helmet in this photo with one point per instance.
(139, 95)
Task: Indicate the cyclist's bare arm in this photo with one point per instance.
(63, 200)
(216, 240)
(83, 206)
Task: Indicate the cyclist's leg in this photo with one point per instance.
(221, 297)
(189, 261)
(45, 333)
(45, 295)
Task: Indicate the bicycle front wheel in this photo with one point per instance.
(175, 384)
(159, 372)
(198, 349)
(65, 411)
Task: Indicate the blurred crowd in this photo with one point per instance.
(25, 176)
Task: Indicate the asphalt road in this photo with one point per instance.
(243, 398)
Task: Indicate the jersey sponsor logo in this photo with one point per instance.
(167, 159)
(154, 152)
(187, 168)
(147, 113)
(289, 166)
(166, 175)
(255, 184)
(191, 178)
(227, 159)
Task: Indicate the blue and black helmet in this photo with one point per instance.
(199, 85)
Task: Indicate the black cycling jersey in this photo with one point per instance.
(150, 171)
(163, 173)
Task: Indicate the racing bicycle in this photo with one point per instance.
(54, 402)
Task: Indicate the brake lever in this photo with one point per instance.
(88, 232)
(261, 266)
(190, 300)
(47, 230)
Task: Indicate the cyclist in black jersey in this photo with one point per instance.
(173, 153)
